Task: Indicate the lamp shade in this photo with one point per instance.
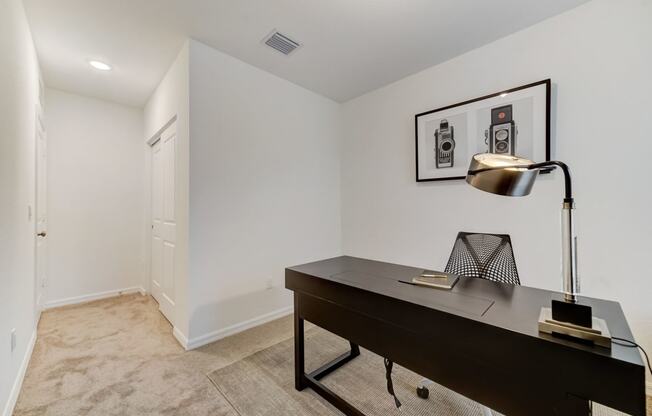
(501, 174)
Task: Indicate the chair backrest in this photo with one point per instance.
(486, 256)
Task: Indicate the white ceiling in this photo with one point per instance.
(349, 46)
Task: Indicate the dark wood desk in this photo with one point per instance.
(495, 354)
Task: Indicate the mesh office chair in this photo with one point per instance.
(484, 256)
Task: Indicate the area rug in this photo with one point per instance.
(263, 384)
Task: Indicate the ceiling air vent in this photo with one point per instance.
(281, 43)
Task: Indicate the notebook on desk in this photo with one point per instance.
(438, 280)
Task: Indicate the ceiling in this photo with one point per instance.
(349, 46)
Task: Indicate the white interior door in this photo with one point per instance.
(41, 218)
(163, 221)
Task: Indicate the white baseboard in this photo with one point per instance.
(93, 296)
(180, 338)
(201, 340)
(18, 383)
(37, 318)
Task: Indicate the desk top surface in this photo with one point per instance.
(511, 307)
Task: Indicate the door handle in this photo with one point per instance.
(42, 234)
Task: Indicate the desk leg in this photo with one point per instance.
(299, 355)
(303, 380)
(355, 350)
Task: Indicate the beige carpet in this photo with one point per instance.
(118, 357)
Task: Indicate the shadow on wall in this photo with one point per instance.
(231, 315)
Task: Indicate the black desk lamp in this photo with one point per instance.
(514, 176)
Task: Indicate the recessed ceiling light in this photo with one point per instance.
(503, 94)
(100, 65)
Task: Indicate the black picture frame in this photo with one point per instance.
(546, 82)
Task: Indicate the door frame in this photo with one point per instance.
(39, 129)
(157, 136)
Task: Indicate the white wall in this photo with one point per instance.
(95, 196)
(599, 58)
(264, 188)
(19, 86)
(170, 100)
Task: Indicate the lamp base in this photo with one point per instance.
(597, 334)
(572, 312)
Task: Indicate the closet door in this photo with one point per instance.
(163, 222)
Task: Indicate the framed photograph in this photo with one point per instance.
(515, 121)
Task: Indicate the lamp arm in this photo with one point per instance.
(568, 197)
